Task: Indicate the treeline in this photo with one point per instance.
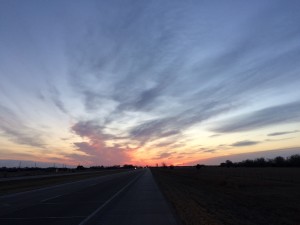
(125, 166)
(279, 161)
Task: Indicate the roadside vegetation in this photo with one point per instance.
(232, 195)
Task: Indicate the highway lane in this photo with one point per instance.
(141, 204)
(91, 201)
(62, 204)
(33, 177)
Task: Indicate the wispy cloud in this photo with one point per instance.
(245, 143)
(210, 150)
(17, 131)
(164, 155)
(285, 113)
(283, 133)
(56, 98)
(148, 71)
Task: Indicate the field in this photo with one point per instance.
(245, 196)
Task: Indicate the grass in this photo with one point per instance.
(13, 186)
(246, 196)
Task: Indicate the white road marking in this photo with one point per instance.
(47, 199)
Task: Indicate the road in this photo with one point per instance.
(34, 177)
(127, 198)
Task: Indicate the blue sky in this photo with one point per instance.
(112, 82)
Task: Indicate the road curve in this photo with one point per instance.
(124, 198)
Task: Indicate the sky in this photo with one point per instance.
(144, 82)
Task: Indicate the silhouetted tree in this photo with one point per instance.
(128, 166)
(80, 167)
(260, 162)
(198, 166)
(294, 160)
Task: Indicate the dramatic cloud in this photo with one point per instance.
(286, 113)
(141, 67)
(95, 149)
(137, 80)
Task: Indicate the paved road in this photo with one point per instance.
(125, 198)
(49, 175)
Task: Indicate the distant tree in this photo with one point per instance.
(279, 161)
(260, 162)
(113, 167)
(97, 167)
(171, 167)
(294, 160)
(164, 165)
(128, 166)
(228, 163)
(198, 166)
(80, 167)
(249, 163)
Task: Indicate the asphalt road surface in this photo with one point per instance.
(127, 198)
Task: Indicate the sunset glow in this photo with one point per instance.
(147, 82)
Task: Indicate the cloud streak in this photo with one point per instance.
(13, 128)
(245, 143)
(283, 133)
(285, 113)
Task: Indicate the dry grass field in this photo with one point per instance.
(245, 196)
